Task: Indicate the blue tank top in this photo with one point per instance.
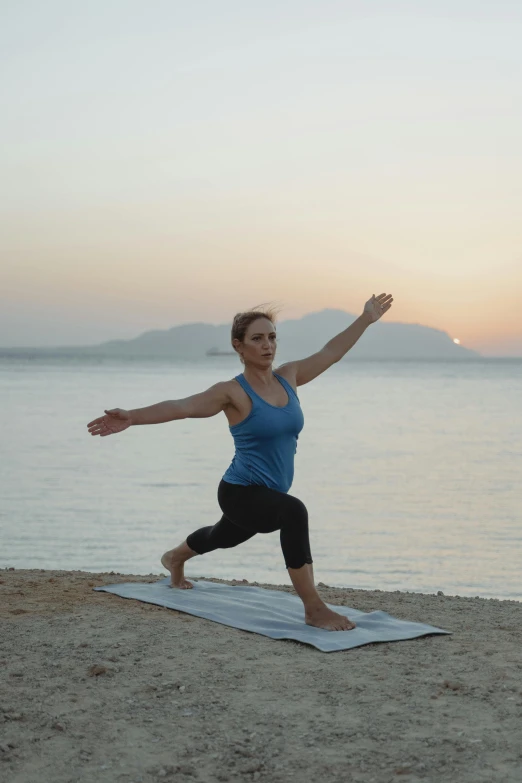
(266, 441)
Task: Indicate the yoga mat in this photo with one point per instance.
(271, 613)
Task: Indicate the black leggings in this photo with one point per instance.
(256, 509)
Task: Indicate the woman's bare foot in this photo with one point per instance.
(316, 611)
(321, 616)
(174, 562)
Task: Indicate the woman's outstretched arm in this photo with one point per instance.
(307, 369)
(208, 403)
(199, 406)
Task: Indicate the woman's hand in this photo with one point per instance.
(377, 306)
(115, 420)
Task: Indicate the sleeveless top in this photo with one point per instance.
(266, 441)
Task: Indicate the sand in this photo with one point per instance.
(97, 688)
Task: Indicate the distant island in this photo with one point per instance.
(217, 352)
(296, 338)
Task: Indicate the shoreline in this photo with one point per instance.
(101, 688)
(268, 585)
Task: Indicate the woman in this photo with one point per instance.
(265, 419)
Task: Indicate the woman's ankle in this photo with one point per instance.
(184, 552)
(314, 603)
(304, 586)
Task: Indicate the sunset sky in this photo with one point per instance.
(171, 161)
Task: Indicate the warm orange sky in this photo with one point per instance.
(180, 166)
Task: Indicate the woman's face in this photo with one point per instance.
(259, 345)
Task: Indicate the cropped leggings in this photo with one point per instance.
(256, 509)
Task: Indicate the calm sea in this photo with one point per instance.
(411, 472)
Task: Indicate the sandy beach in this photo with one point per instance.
(96, 688)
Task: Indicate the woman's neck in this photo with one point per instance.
(260, 376)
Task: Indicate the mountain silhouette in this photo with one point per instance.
(296, 338)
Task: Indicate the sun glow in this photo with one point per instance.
(456, 340)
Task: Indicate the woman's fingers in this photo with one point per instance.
(102, 431)
(378, 305)
(94, 422)
(97, 426)
(104, 420)
(107, 428)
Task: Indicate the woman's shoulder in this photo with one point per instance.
(288, 371)
(239, 404)
(233, 389)
(237, 394)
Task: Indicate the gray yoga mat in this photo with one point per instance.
(271, 613)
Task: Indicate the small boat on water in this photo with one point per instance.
(217, 352)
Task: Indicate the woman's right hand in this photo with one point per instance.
(115, 420)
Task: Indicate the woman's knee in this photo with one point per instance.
(295, 540)
(296, 512)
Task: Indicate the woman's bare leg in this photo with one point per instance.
(316, 611)
(174, 562)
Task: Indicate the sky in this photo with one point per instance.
(169, 162)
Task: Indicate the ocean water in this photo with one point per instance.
(410, 472)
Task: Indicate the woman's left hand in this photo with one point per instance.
(377, 306)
